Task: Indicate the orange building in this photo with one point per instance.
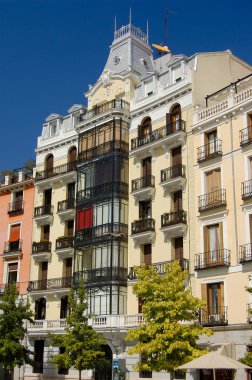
(16, 210)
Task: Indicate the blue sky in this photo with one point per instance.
(52, 49)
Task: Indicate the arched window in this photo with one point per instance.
(49, 164)
(174, 118)
(145, 128)
(72, 154)
(40, 308)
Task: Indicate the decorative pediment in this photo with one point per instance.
(76, 107)
(53, 116)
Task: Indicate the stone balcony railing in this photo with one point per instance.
(98, 322)
(234, 99)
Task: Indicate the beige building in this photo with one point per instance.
(222, 176)
(134, 193)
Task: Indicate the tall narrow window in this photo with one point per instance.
(64, 307)
(147, 254)
(176, 156)
(46, 232)
(177, 201)
(213, 180)
(12, 271)
(49, 165)
(40, 309)
(144, 129)
(213, 242)
(145, 209)
(211, 142)
(68, 267)
(43, 270)
(178, 248)
(72, 154)
(69, 228)
(18, 200)
(71, 190)
(174, 118)
(14, 237)
(48, 197)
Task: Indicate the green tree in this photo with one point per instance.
(168, 336)
(14, 313)
(247, 359)
(81, 344)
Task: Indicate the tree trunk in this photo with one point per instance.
(79, 375)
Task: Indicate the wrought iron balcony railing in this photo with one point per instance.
(103, 230)
(211, 259)
(13, 246)
(173, 172)
(171, 218)
(107, 147)
(157, 134)
(142, 225)
(64, 242)
(16, 207)
(48, 284)
(101, 275)
(57, 170)
(210, 150)
(215, 316)
(246, 136)
(109, 188)
(143, 182)
(245, 253)
(67, 204)
(212, 200)
(43, 210)
(108, 106)
(160, 267)
(41, 247)
(247, 189)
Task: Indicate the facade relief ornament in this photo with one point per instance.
(106, 79)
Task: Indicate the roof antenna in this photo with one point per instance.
(115, 24)
(147, 27)
(130, 16)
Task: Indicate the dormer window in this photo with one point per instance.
(53, 129)
(176, 74)
(148, 88)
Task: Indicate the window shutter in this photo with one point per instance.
(14, 233)
(204, 293)
(222, 295)
(206, 239)
(168, 119)
(221, 234)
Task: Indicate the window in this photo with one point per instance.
(43, 271)
(38, 356)
(18, 201)
(211, 142)
(213, 180)
(147, 254)
(69, 228)
(107, 300)
(213, 242)
(148, 88)
(71, 190)
(72, 154)
(173, 119)
(49, 164)
(64, 308)
(14, 237)
(178, 248)
(176, 74)
(48, 197)
(68, 264)
(40, 309)
(145, 128)
(249, 119)
(177, 203)
(213, 295)
(145, 209)
(12, 273)
(45, 233)
(53, 129)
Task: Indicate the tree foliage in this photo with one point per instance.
(81, 344)
(168, 336)
(14, 313)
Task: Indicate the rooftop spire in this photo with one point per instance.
(115, 25)
(147, 31)
(130, 18)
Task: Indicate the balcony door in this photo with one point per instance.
(215, 299)
(145, 128)
(14, 237)
(145, 209)
(146, 167)
(177, 201)
(213, 180)
(48, 197)
(210, 142)
(178, 248)
(213, 243)
(147, 254)
(18, 200)
(176, 156)
(71, 190)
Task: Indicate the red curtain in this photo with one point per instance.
(85, 218)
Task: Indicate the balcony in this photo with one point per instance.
(210, 151)
(99, 322)
(245, 253)
(247, 189)
(173, 178)
(105, 190)
(16, 207)
(246, 136)
(114, 106)
(143, 231)
(212, 259)
(66, 209)
(50, 284)
(43, 214)
(101, 275)
(102, 149)
(61, 170)
(41, 251)
(212, 200)
(174, 223)
(13, 248)
(214, 316)
(101, 232)
(143, 187)
(64, 246)
(160, 267)
(169, 135)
